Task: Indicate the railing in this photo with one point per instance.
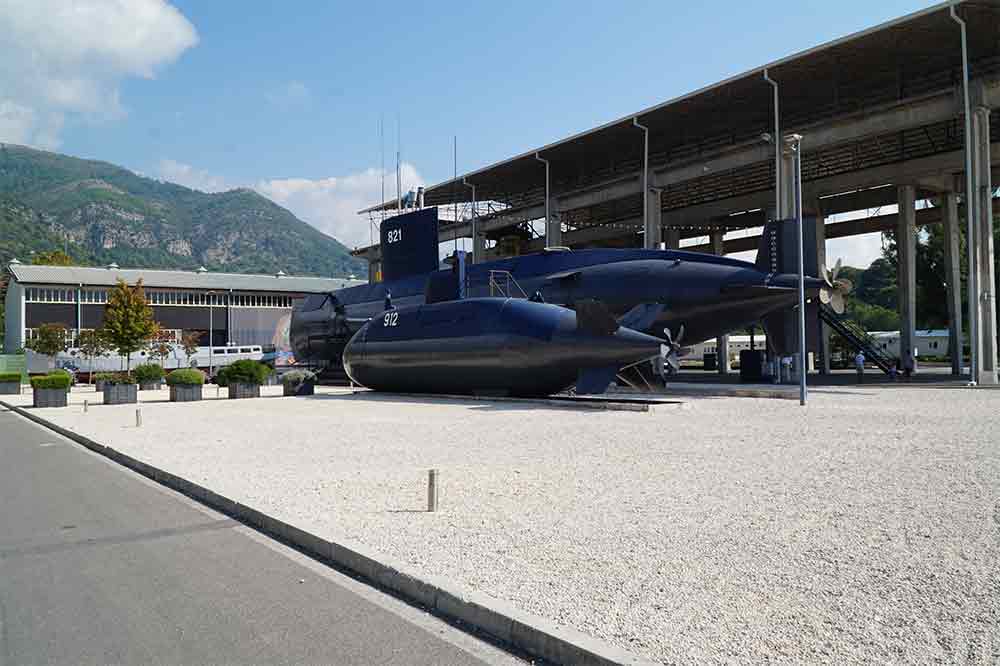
(502, 283)
(857, 337)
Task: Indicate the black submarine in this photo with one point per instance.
(494, 346)
(658, 292)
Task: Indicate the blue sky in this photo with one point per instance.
(286, 97)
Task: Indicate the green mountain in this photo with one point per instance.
(102, 213)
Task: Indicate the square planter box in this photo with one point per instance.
(151, 386)
(244, 390)
(305, 388)
(121, 394)
(181, 393)
(99, 385)
(10, 388)
(51, 397)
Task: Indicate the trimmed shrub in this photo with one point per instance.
(243, 372)
(60, 371)
(10, 377)
(297, 378)
(103, 376)
(59, 380)
(186, 377)
(147, 373)
(117, 378)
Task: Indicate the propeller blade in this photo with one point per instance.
(836, 269)
(680, 335)
(837, 302)
(668, 337)
(672, 363)
(824, 296)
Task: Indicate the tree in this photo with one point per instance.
(128, 320)
(53, 258)
(189, 342)
(160, 344)
(93, 344)
(49, 340)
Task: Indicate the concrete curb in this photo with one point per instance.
(626, 404)
(728, 391)
(534, 635)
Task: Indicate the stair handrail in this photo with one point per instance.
(505, 289)
(856, 336)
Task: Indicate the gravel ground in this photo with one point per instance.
(865, 528)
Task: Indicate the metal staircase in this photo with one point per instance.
(856, 337)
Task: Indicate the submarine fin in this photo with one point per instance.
(778, 341)
(769, 251)
(595, 380)
(642, 316)
(594, 318)
(568, 276)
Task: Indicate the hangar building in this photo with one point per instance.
(238, 309)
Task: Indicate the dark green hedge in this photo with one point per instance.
(8, 377)
(53, 381)
(70, 375)
(243, 372)
(186, 377)
(119, 378)
(148, 372)
(296, 378)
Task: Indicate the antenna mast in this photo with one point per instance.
(399, 184)
(454, 183)
(381, 141)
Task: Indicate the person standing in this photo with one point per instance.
(859, 365)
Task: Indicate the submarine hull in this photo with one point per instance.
(487, 346)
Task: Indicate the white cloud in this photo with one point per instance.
(65, 58)
(331, 204)
(857, 251)
(291, 95)
(188, 176)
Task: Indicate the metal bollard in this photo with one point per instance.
(138, 419)
(432, 490)
(86, 404)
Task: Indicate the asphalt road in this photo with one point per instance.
(99, 565)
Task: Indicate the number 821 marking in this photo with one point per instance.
(390, 319)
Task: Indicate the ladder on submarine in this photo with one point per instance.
(857, 337)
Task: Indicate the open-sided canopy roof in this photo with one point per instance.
(900, 59)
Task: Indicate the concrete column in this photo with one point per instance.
(953, 276)
(653, 230)
(906, 242)
(983, 190)
(722, 342)
(478, 248)
(672, 238)
(786, 208)
(553, 227)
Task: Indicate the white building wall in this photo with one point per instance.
(14, 314)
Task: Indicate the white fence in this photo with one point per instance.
(215, 356)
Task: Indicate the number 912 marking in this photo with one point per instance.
(390, 319)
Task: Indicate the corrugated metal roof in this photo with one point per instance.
(73, 275)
